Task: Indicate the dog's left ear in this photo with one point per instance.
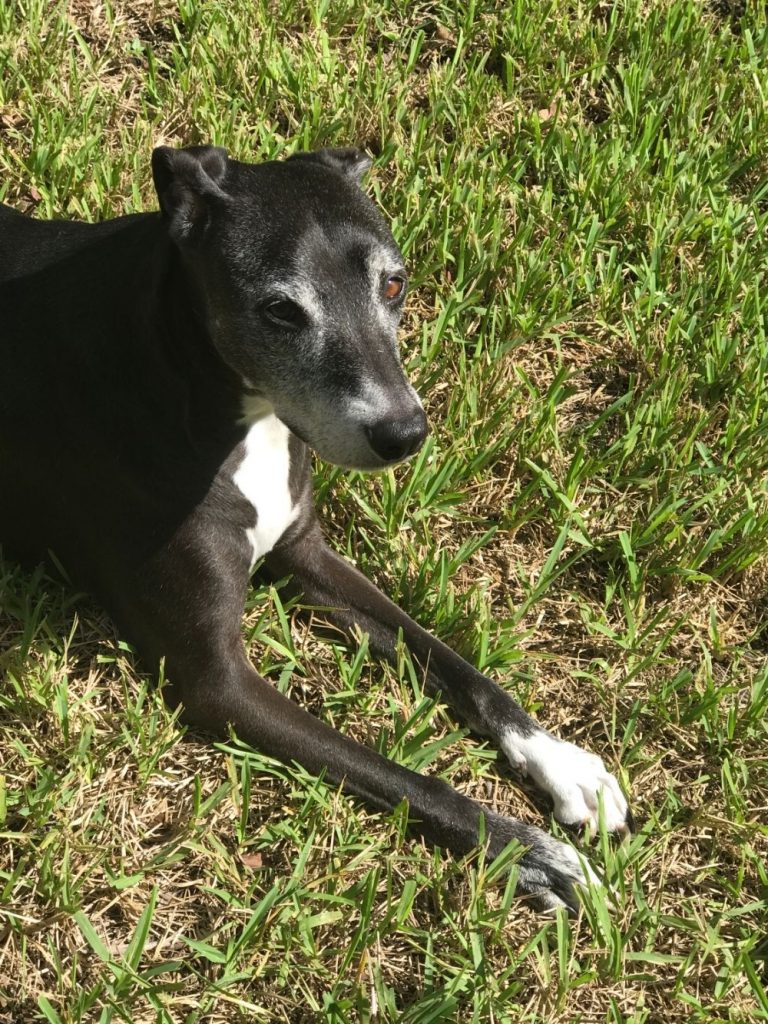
(350, 162)
(186, 180)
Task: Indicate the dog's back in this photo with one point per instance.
(70, 358)
(29, 245)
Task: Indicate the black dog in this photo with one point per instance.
(164, 376)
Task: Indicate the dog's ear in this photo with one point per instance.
(352, 163)
(185, 181)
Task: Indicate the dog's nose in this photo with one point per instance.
(394, 440)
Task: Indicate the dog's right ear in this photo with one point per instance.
(186, 180)
(352, 163)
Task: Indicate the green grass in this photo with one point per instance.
(581, 191)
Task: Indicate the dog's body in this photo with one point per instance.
(163, 376)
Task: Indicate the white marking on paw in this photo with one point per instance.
(574, 778)
(262, 477)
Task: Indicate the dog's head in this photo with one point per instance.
(302, 286)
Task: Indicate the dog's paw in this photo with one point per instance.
(551, 873)
(575, 779)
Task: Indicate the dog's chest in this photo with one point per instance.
(263, 479)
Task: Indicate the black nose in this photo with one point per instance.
(393, 440)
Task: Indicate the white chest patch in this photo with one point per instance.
(262, 477)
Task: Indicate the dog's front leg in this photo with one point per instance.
(218, 688)
(576, 780)
(185, 606)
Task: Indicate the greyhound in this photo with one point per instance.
(165, 377)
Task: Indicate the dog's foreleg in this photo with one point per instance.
(576, 780)
(229, 692)
(185, 606)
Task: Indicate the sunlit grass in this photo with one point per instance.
(580, 191)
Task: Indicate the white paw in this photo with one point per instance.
(575, 779)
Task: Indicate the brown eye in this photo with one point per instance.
(393, 289)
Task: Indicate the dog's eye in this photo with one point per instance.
(284, 312)
(393, 288)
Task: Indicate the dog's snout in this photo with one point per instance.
(396, 439)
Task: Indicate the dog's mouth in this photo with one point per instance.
(351, 442)
(366, 451)
(362, 457)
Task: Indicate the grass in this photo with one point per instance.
(581, 191)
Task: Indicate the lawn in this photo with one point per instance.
(581, 192)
